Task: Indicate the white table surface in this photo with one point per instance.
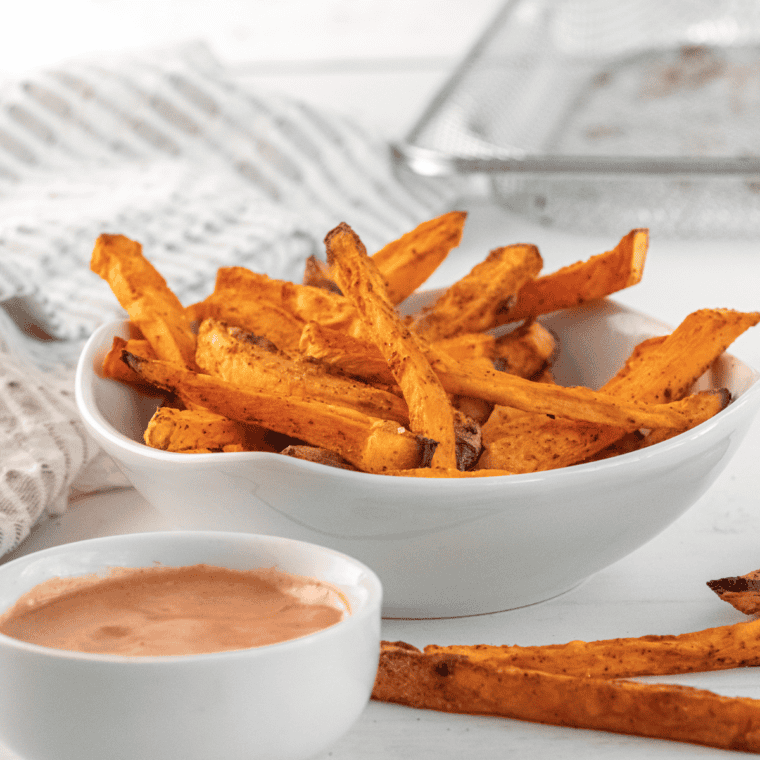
(659, 589)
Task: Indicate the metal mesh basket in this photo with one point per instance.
(596, 116)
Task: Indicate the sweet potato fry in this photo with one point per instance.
(238, 358)
(187, 430)
(472, 303)
(525, 351)
(720, 648)
(465, 379)
(597, 277)
(362, 358)
(406, 263)
(430, 412)
(666, 369)
(304, 302)
(577, 403)
(114, 368)
(369, 443)
(353, 356)
(457, 684)
(660, 369)
(527, 442)
(144, 294)
(740, 591)
(260, 317)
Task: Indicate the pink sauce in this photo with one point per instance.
(173, 611)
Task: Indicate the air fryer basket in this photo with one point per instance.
(597, 116)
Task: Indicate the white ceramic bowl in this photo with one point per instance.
(445, 547)
(283, 701)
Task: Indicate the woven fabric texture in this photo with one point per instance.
(168, 148)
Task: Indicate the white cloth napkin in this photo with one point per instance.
(167, 148)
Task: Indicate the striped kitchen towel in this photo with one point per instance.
(167, 148)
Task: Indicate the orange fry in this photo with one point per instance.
(597, 277)
(457, 684)
(258, 316)
(472, 379)
(527, 442)
(572, 403)
(720, 648)
(369, 443)
(113, 366)
(740, 591)
(407, 262)
(473, 303)
(144, 294)
(302, 302)
(354, 356)
(430, 412)
(236, 357)
(673, 364)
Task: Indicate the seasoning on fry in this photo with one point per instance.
(473, 303)
(597, 277)
(144, 294)
(370, 444)
(430, 411)
(456, 683)
(740, 591)
(406, 263)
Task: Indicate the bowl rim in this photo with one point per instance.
(372, 606)
(104, 431)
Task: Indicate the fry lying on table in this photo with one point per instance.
(583, 684)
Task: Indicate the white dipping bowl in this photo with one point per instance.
(285, 701)
(444, 547)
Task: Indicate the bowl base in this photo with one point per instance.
(397, 613)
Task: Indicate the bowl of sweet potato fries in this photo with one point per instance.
(481, 447)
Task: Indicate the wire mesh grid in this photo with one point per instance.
(592, 115)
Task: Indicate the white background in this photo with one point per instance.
(332, 52)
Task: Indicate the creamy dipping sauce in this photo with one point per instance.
(173, 610)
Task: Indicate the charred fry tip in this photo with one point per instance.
(427, 450)
(725, 395)
(468, 442)
(133, 361)
(734, 584)
(341, 229)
